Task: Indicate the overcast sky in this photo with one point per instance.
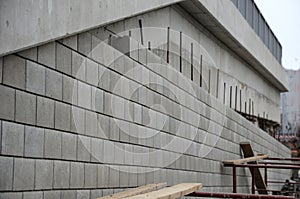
(283, 16)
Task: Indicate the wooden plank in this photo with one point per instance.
(245, 160)
(259, 182)
(135, 191)
(173, 192)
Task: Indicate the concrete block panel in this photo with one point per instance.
(102, 176)
(7, 105)
(30, 53)
(85, 43)
(45, 112)
(69, 90)
(62, 116)
(103, 126)
(25, 107)
(6, 173)
(33, 195)
(77, 120)
(61, 175)
(1, 68)
(96, 53)
(108, 151)
(12, 139)
(46, 54)
(96, 150)
(68, 194)
(97, 100)
(107, 103)
(34, 142)
(90, 175)
(69, 144)
(83, 194)
(52, 144)
(96, 193)
(63, 59)
(91, 123)
(43, 174)
(52, 194)
(114, 176)
(14, 71)
(71, 42)
(77, 175)
(114, 129)
(78, 66)
(83, 148)
(84, 95)
(91, 72)
(35, 78)
(11, 195)
(53, 84)
(23, 174)
(104, 78)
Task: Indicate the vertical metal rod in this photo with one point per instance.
(230, 97)
(149, 45)
(180, 53)
(250, 106)
(234, 179)
(235, 100)
(266, 176)
(218, 74)
(192, 64)
(209, 81)
(200, 70)
(168, 45)
(224, 94)
(253, 180)
(141, 31)
(240, 100)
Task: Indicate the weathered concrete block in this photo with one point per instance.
(104, 78)
(96, 193)
(53, 84)
(61, 175)
(97, 100)
(83, 194)
(84, 95)
(96, 49)
(103, 126)
(92, 72)
(91, 123)
(90, 175)
(96, 150)
(77, 120)
(43, 174)
(45, 112)
(34, 142)
(30, 53)
(23, 174)
(107, 103)
(108, 148)
(14, 71)
(69, 144)
(83, 148)
(52, 144)
(68, 194)
(62, 116)
(114, 133)
(11, 195)
(103, 176)
(85, 43)
(46, 54)
(52, 194)
(114, 176)
(35, 78)
(25, 107)
(12, 139)
(7, 105)
(78, 66)
(69, 90)
(77, 175)
(63, 59)
(33, 195)
(71, 42)
(6, 173)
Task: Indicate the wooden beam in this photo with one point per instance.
(173, 192)
(245, 160)
(135, 191)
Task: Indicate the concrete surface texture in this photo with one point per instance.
(80, 119)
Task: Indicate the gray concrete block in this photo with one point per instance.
(71, 42)
(46, 54)
(25, 107)
(92, 72)
(52, 144)
(68, 194)
(85, 43)
(43, 174)
(7, 105)
(83, 148)
(91, 123)
(12, 139)
(63, 59)
(45, 112)
(34, 142)
(61, 178)
(90, 175)
(103, 126)
(96, 150)
(84, 95)
(114, 133)
(69, 144)
(53, 84)
(77, 175)
(35, 78)
(114, 176)
(96, 193)
(77, 120)
(108, 148)
(11, 195)
(52, 194)
(97, 100)
(78, 66)
(1, 68)
(104, 78)
(83, 194)
(107, 103)
(23, 174)
(102, 176)
(30, 53)
(33, 195)
(96, 49)
(69, 90)
(14, 71)
(6, 173)
(62, 116)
